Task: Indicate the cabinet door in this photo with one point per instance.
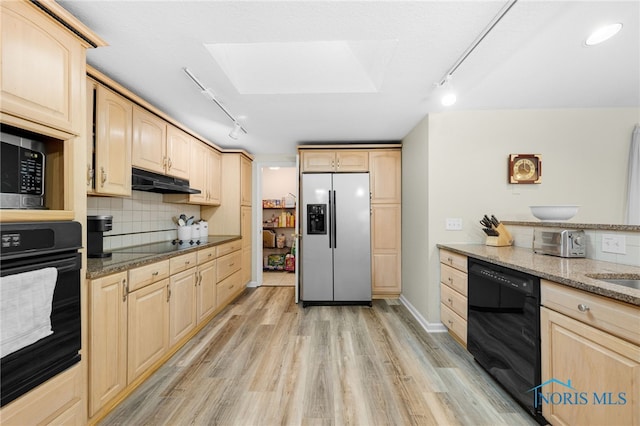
(352, 161)
(178, 152)
(317, 161)
(108, 339)
(91, 134)
(601, 367)
(198, 175)
(214, 177)
(245, 230)
(386, 249)
(113, 143)
(182, 305)
(42, 68)
(386, 176)
(148, 325)
(206, 300)
(245, 182)
(149, 141)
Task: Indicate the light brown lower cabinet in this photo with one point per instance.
(206, 287)
(148, 322)
(599, 372)
(107, 339)
(182, 305)
(57, 401)
(137, 317)
(386, 240)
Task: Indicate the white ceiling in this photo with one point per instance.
(275, 64)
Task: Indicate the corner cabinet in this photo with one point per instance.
(594, 342)
(453, 294)
(383, 162)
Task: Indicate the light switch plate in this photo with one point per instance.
(453, 224)
(614, 244)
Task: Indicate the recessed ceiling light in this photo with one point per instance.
(603, 33)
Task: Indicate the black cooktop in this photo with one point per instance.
(161, 247)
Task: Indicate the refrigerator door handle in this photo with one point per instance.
(335, 221)
(330, 215)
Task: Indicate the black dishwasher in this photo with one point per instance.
(503, 329)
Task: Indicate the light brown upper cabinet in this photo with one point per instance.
(149, 141)
(178, 152)
(111, 147)
(386, 176)
(334, 161)
(245, 181)
(42, 68)
(204, 174)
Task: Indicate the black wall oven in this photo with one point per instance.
(27, 249)
(503, 328)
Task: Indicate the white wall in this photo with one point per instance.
(584, 156)
(278, 183)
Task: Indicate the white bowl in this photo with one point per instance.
(554, 213)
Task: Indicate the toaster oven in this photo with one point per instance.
(562, 243)
(22, 173)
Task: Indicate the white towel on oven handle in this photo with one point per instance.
(26, 301)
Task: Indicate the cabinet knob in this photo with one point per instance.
(155, 273)
(583, 308)
(450, 259)
(89, 175)
(168, 292)
(169, 165)
(187, 262)
(450, 279)
(104, 176)
(449, 300)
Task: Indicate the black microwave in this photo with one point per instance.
(22, 173)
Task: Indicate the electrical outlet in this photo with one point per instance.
(614, 244)
(453, 224)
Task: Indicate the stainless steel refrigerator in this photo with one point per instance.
(335, 244)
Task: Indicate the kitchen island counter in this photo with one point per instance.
(131, 257)
(572, 272)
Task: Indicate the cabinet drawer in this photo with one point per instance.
(183, 262)
(148, 274)
(227, 248)
(454, 278)
(206, 255)
(454, 322)
(226, 288)
(228, 264)
(454, 260)
(47, 402)
(453, 300)
(617, 318)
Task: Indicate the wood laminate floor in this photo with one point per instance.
(266, 361)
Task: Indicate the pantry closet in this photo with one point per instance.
(278, 225)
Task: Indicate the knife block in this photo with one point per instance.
(502, 240)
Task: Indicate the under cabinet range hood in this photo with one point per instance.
(142, 180)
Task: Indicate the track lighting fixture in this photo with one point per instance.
(448, 96)
(237, 127)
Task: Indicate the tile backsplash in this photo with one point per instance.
(143, 218)
(523, 237)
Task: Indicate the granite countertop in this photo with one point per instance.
(568, 271)
(132, 257)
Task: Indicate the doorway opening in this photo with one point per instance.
(278, 225)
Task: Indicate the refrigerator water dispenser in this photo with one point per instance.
(316, 219)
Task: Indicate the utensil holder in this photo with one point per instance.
(184, 233)
(502, 240)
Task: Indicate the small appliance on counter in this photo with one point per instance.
(96, 227)
(562, 243)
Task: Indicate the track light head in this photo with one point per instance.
(235, 132)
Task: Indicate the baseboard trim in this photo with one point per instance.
(437, 327)
(252, 284)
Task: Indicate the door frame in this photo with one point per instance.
(257, 213)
